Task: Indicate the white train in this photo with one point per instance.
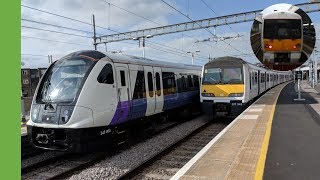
(229, 83)
(88, 98)
(282, 37)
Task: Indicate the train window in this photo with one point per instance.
(184, 84)
(168, 83)
(250, 79)
(150, 84)
(256, 78)
(123, 78)
(196, 81)
(232, 75)
(282, 29)
(190, 84)
(139, 88)
(106, 75)
(158, 84)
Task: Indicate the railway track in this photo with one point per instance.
(161, 165)
(27, 150)
(62, 165)
(166, 163)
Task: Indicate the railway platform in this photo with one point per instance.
(275, 138)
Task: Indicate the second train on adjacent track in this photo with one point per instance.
(229, 83)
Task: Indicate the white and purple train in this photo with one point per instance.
(87, 98)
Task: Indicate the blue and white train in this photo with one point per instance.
(88, 97)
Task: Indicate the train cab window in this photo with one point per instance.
(168, 83)
(106, 75)
(232, 75)
(282, 29)
(140, 88)
(150, 84)
(123, 78)
(158, 85)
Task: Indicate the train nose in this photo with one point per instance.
(42, 138)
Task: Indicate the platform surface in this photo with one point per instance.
(236, 152)
(294, 147)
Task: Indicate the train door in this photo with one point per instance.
(124, 106)
(259, 82)
(158, 89)
(150, 90)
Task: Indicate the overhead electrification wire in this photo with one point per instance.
(65, 17)
(198, 24)
(130, 12)
(43, 39)
(54, 25)
(24, 54)
(40, 29)
(169, 50)
(175, 51)
(216, 14)
(43, 11)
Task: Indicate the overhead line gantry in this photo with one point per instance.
(194, 25)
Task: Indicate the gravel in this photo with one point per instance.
(39, 158)
(114, 166)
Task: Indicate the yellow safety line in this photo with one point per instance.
(265, 144)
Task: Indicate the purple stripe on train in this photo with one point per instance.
(139, 106)
(121, 114)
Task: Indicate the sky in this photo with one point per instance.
(72, 18)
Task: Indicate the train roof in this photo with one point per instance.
(229, 61)
(282, 15)
(128, 59)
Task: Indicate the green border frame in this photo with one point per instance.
(10, 90)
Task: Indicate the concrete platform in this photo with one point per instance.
(294, 148)
(275, 138)
(239, 151)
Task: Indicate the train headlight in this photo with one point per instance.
(207, 94)
(235, 94)
(65, 114)
(268, 46)
(297, 46)
(35, 112)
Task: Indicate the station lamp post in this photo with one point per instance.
(192, 54)
(142, 39)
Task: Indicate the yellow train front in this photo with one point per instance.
(222, 89)
(229, 83)
(282, 37)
